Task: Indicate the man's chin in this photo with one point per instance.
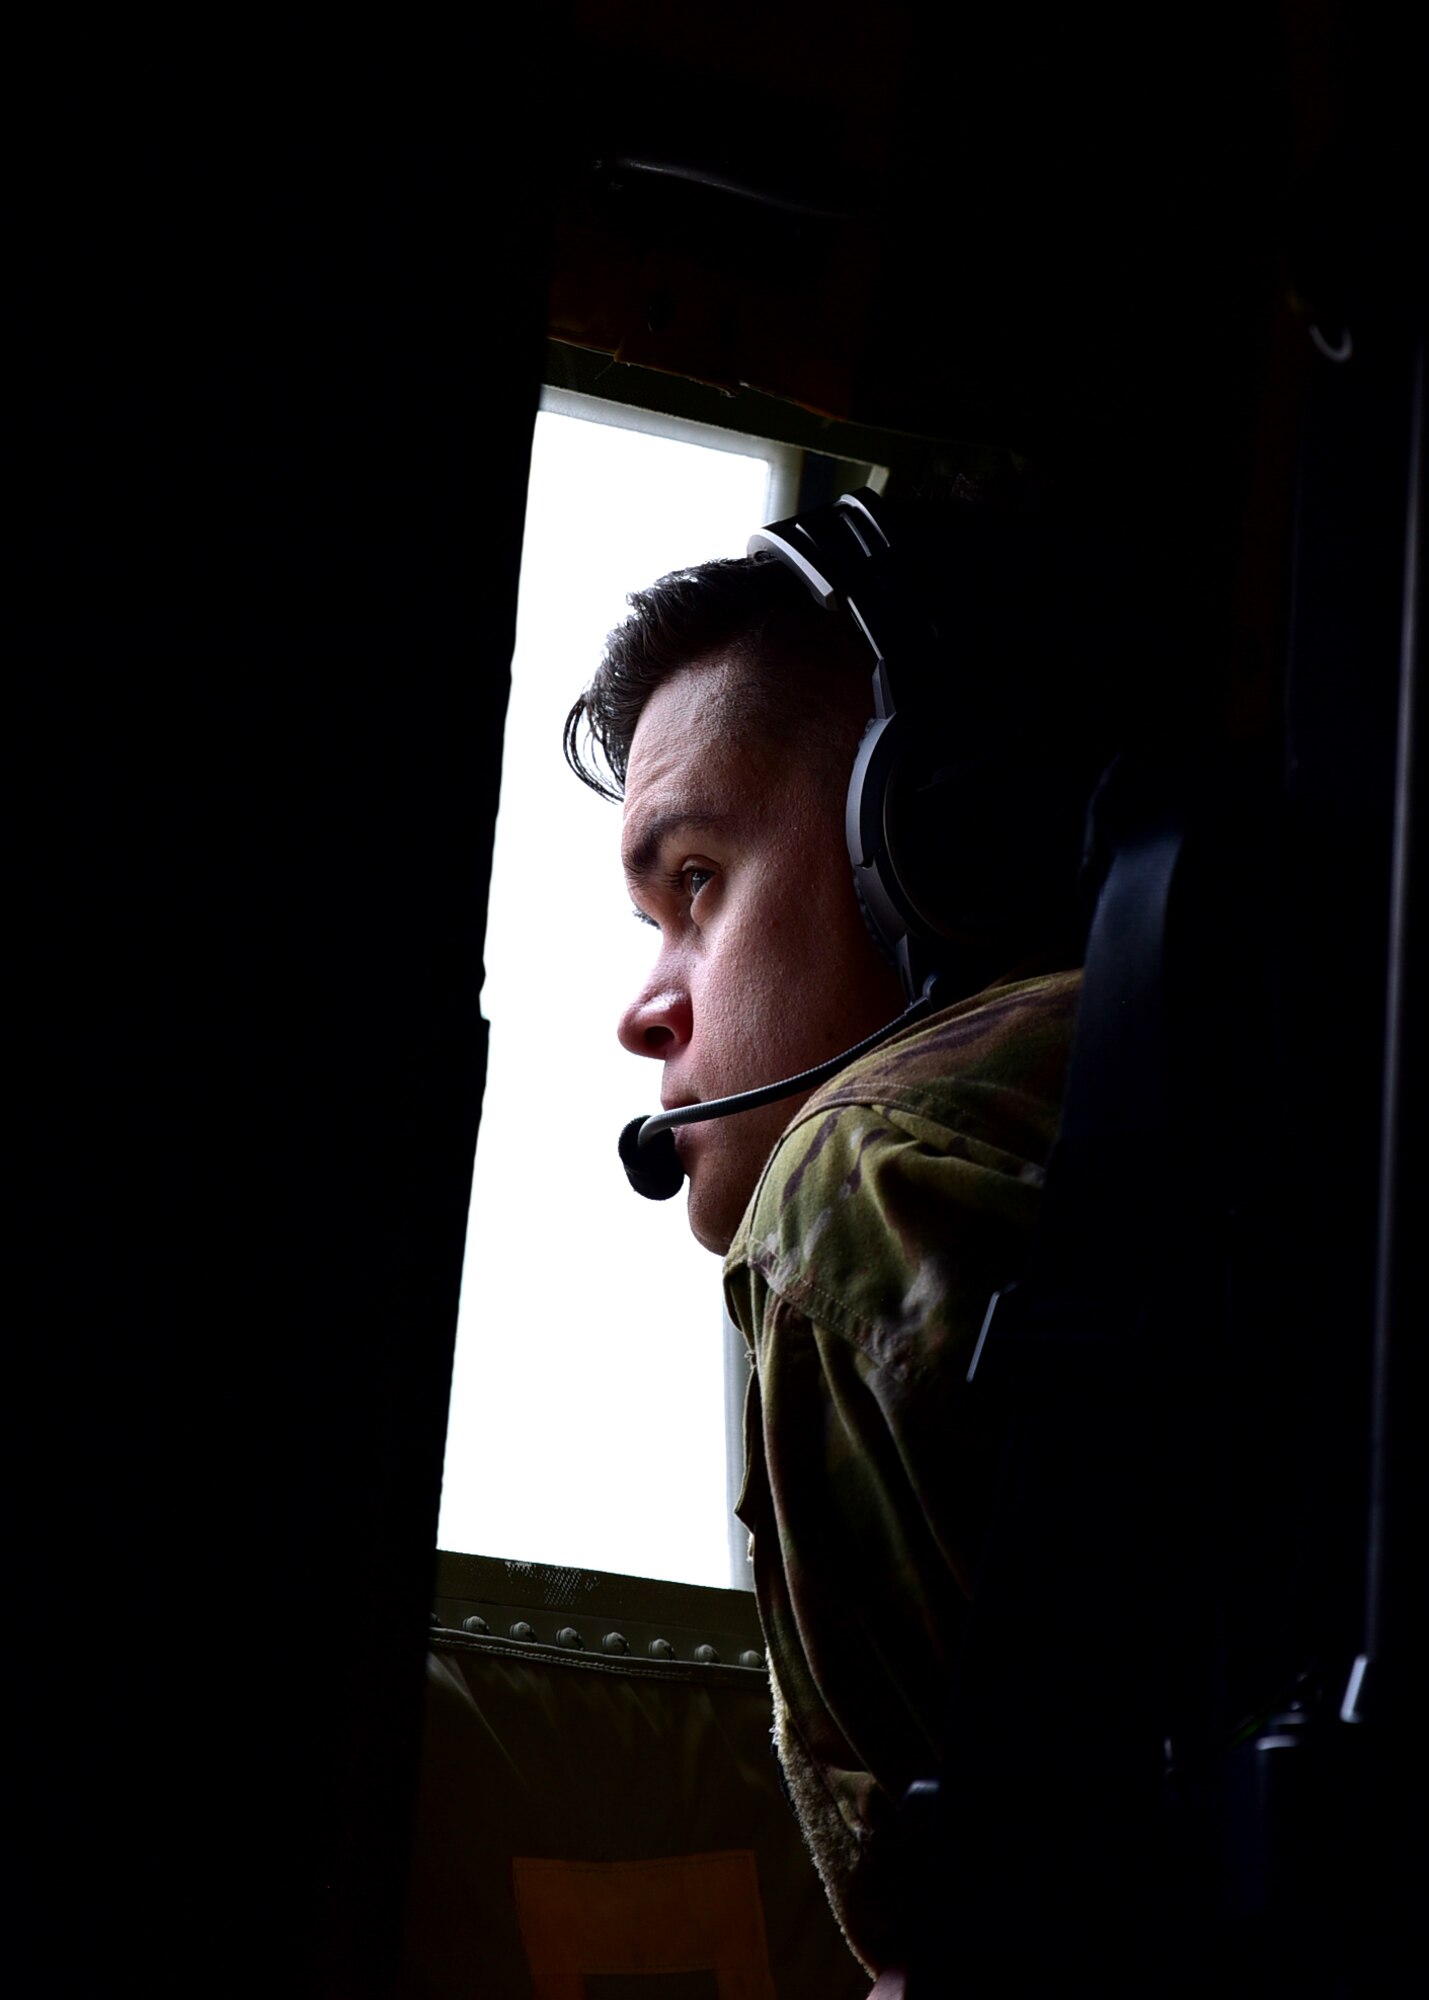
(723, 1174)
(715, 1204)
(712, 1232)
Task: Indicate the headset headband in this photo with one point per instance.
(846, 557)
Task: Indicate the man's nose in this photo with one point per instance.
(657, 1023)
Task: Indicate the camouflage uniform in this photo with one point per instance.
(898, 1200)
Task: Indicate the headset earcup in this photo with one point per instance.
(982, 850)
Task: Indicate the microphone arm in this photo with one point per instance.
(647, 1152)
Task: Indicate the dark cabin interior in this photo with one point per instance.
(284, 295)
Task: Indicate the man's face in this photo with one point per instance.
(734, 850)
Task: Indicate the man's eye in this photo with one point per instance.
(692, 880)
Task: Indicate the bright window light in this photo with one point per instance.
(587, 1423)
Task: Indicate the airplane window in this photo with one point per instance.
(587, 1423)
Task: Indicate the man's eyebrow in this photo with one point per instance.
(641, 857)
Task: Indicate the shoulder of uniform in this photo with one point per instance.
(905, 1182)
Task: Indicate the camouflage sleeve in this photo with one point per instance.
(860, 1279)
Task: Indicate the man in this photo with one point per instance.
(865, 1226)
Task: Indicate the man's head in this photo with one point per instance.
(727, 715)
(728, 711)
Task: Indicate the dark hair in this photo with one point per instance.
(800, 668)
(1019, 700)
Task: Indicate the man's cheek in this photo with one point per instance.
(730, 1025)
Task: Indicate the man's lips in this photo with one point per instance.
(683, 1135)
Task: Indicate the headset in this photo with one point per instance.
(948, 850)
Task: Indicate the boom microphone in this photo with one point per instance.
(647, 1151)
